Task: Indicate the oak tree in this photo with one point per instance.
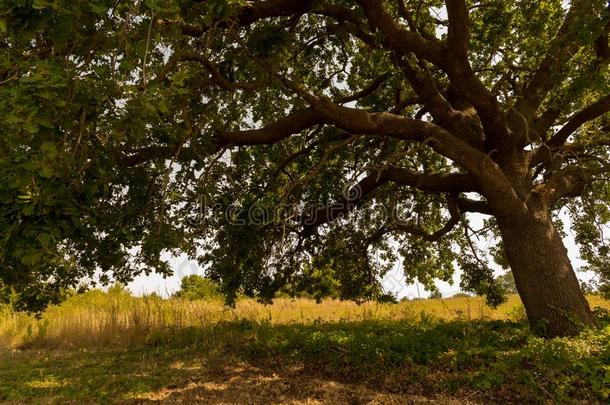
(268, 138)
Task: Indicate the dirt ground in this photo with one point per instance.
(245, 384)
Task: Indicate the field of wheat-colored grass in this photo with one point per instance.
(100, 319)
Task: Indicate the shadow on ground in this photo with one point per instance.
(246, 384)
(403, 362)
(185, 376)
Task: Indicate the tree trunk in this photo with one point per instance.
(546, 282)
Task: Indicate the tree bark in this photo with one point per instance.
(546, 282)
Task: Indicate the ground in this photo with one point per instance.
(104, 348)
(155, 376)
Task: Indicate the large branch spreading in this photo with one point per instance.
(450, 183)
(450, 57)
(543, 80)
(283, 128)
(418, 231)
(550, 70)
(455, 133)
(255, 11)
(570, 181)
(546, 151)
(590, 113)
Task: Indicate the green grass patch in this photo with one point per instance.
(497, 360)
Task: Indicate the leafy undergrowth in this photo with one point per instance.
(484, 361)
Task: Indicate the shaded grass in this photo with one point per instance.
(458, 357)
(98, 376)
(496, 360)
(114, 348)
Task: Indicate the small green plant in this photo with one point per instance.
(517, 313)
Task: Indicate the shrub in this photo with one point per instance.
(196, 287)
(387, 298)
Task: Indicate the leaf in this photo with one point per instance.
(31, 258)
(49, 150)
(98, 9)
(45, 239)
(40, 4)
(46, 171)
(27, 210)
(149, 106)
(162, 107)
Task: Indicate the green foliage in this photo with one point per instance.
(506, 282)
(194, 287)
(111, 160)
(517, 313)
(590, 216)
(478, 278)
(387, 298)
(118, 290)
(436, 295)
(485, 356)
(461, 295)
(317, 283)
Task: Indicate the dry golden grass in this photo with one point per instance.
(98, 319)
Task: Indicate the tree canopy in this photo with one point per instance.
(268, 137)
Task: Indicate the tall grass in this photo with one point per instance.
(111, 319)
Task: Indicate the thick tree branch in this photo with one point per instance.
(426, 88)
(564, 183)
(465, 80)
(217, 77)
(255, 11)
(399, 38)
(359, 121)
(454, 219)
(458, 35)
(367, 91)
(601, 44)
(569, 182)
(349, 19)
(439, 183)
(461, 123)
(291, 124)
(562, 49)
(478, 206)
(544, 122)
(496, 186)
(590, 113)
(259, 10)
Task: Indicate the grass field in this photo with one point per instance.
(115, 348)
